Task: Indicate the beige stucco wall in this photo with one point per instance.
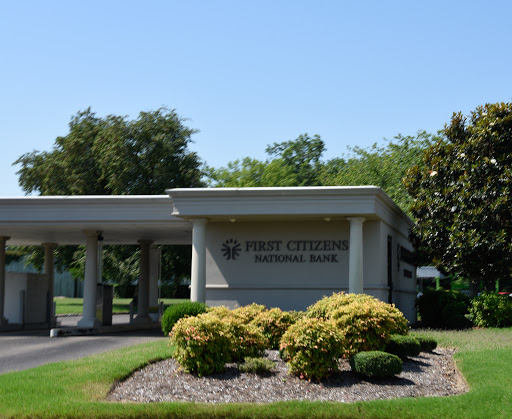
(403, 273)
(261, 246)
(303, 275)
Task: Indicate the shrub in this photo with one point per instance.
(376, 364)
(296, 315)
(312, 348)
(403, 346)
(444, 309)
(220, 311)
(202, 344)
(249, 312)
(368, 324)
(325, 307)
(260, 366)
(175, 312)
(246, 339)
(427, 344)
(491, 310)
(273, 324)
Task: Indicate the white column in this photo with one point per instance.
(3, 240)
(89, 319)
(198, 274)
(49, 270)
(154, 275)
(143, 295)
(355, 264)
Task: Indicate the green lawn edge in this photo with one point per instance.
(67, 305)
(75, 389)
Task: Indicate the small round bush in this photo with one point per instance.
(246, 339)
(260, 366)
(220, 311)
(403, 346)
(249, 312)
(175, 312)
(325, 307)
(273, 324)
(368, 324)
(427, 344)
(491, 310)
(444, 309)
(202, 344)
(312, 348)
(296, 315)
(376, 364)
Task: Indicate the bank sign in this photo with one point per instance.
(282, 251)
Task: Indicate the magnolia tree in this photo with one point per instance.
(462, 197)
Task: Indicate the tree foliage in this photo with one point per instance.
(299, 163)
(462, 196)
(383, 166)
(115, 155)
(290, 163)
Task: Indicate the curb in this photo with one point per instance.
(74, 331)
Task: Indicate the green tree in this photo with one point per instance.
(290, 163)
(462, 196)
(382, 166)
(299, 163)
(115, 155)
(302, 156)
(252, 173)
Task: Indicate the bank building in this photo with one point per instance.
(279, 246)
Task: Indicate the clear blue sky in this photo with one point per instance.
(249, 73)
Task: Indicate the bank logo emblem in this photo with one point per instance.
(231, 249)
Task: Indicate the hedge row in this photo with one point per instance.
(312, 342)
(454, 310)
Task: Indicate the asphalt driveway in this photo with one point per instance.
(28, 349)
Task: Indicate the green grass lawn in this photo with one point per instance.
(78, 388)
(119, 305)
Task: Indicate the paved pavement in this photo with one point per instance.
(22, 350)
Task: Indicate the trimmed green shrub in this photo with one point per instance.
(202, 344)
(312, 348)
(325, 307)
(246, 339)
(403, 346)
(367, 324)
(296, 315)
(260, 366)
(175, 312)
(427, 344)
(491, 310)
(444, 309)
(376, 364)
(249, 312)
(220, 311)
(273, 324)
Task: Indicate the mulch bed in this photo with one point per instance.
(429, 374)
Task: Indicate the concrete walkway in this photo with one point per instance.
(22, 350)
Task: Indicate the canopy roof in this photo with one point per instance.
(166, 219)
(63, 219)
(288, 203)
